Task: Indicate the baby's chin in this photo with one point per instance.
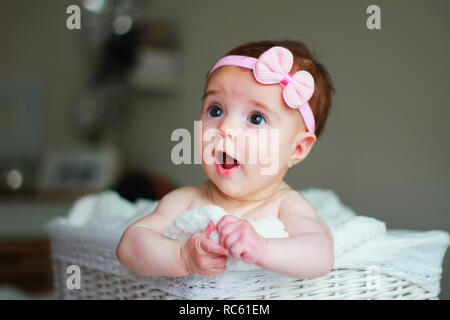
(231, 189)
(237, 189)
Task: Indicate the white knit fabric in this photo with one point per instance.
(347, 233)
(97, 222)
(194, 221)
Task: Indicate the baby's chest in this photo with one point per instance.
(260, 212)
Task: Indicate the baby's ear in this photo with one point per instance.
(303, 144)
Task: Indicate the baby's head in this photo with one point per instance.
(255, 106)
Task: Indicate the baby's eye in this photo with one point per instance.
(257, 118)
(215, 111)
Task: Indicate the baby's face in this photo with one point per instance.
(236, 106)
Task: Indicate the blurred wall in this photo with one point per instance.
(385, 150)
(35, 46)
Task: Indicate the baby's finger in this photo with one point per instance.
(212, 247)
(227, 219)
(210, 228)
(216, 270)
(228, 240)
(249, 257)
(219, 261)
(226, 230)
(236, 250)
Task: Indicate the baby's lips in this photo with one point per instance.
(230, 152)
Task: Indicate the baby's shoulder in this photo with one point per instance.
(293, 199)
(182, 196)
(169, 207)
(186, 191)
(291, 194)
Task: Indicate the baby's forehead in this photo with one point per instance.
(227, 75)
(239, 82)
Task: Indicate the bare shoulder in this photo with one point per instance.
(299, 215)
(295, 201)
(169, 207)
(180, 196)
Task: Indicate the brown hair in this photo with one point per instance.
(320, 101)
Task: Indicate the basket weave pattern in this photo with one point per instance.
(111, 282)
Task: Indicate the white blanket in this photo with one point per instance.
(347, 233)
(360, 242)
(193, 221)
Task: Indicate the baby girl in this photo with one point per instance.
(261, 86)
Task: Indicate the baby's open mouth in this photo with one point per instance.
(226, 165)
(226, 161)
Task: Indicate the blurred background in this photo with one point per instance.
(87, 110)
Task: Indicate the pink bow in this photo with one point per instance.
(273, 66)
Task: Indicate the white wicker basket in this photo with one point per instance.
(102, 277)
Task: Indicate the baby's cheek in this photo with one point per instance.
(206, 143)
(253, 150)
(269, 146)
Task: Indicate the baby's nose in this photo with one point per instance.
(228, 129)
(230, 134)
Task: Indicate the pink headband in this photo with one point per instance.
(272, 67)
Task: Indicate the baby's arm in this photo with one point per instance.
(307, 253)
(144, 250)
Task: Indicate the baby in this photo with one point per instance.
(267, 86)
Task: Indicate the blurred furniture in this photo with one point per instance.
(26, 264)
(84, 168)
(140, 184)
(24, 246)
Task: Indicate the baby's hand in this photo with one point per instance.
(241, 240)
(202, 255)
